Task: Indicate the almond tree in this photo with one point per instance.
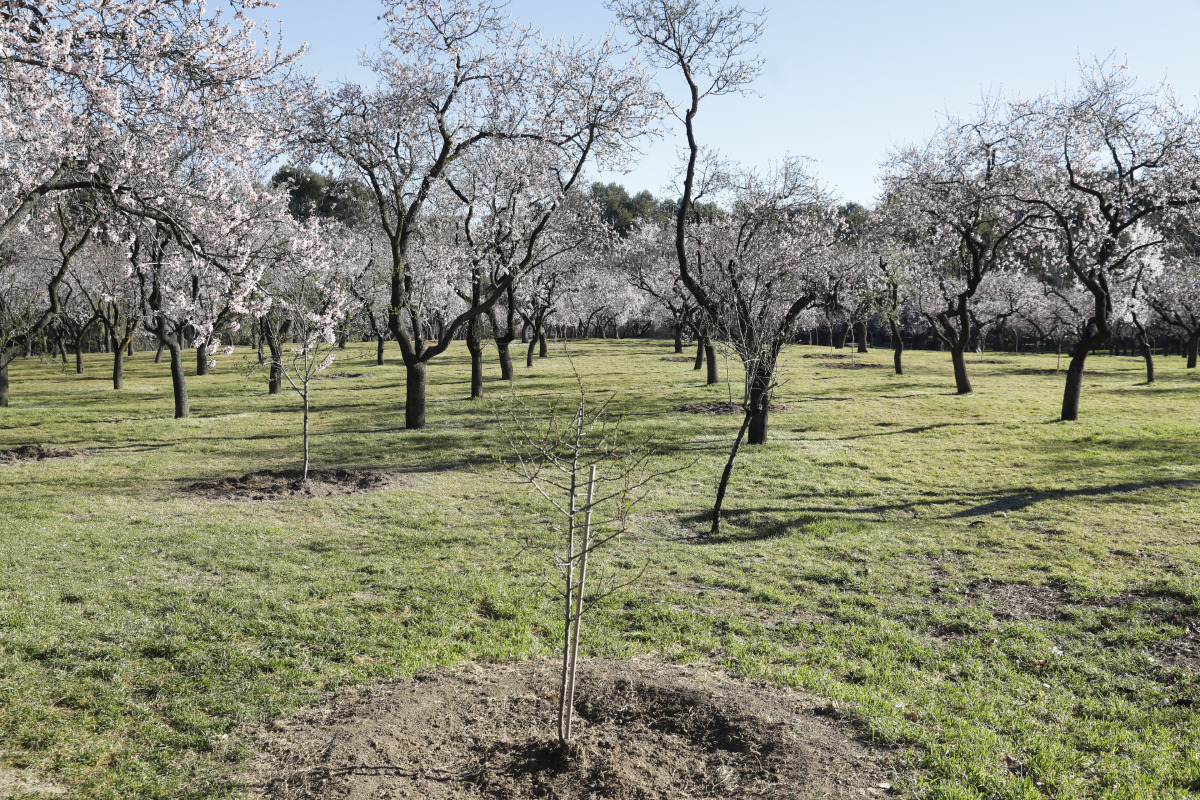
(455, 75)
(105, 94)
(1174, 294)
(1104, 160)
(951, 199)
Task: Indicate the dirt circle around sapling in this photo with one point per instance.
(679, 359)
(281, 484)
(31, 453)
(720, 407)
(644, 731)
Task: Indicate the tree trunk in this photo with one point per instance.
(158, 354)
(414, 396)
(304, 476)
(533, 340)
(201, 360)
(506, 367)
(379, 342)
(3, 381)
(710, 356)
(699, 363)
(962, 383)
(724, 484)
(118, 373)
(678, 338)
(1070, 404)
(1147, 353)
(760, 408)
(839, 340)
(179, 384)
(129, 346)
(1193, 349)
(861, 329)
(79, 355)
(543, 349)
(897, 347)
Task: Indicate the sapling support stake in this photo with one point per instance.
(574, 616)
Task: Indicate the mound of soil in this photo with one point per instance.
(680, 359)
(644, 731)
(329, 376)
(275, 484)
(719, 407)
(35, 452)
(827, 355)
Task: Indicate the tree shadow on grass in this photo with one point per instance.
(747, 525)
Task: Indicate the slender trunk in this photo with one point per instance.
(79, 355)
(861, 333)
(379, 341)
(710, 356)
(533, 340)
(543, 348)
(275, 374)
(699, 363)
(3, 380)
(724, 484)
(118, 373)
(129, 347)
(1070, 404)
(568, 595)
(897, 347)
(179, 384)
(158, 354)
(1193, 349)
(678, 338)
(414, 396)
(201, 360)
(962, 383)
(304, 476)
(580, 585)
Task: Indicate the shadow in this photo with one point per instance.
(741, 525)
(919, 429)
(1022, 499)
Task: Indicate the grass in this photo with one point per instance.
(144, 631)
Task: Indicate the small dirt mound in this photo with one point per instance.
(645, 731)
(680, 359)
(276, 484)
(853, 365)
(35, 452)
(719, 407)
(830, 356)
(329, 376)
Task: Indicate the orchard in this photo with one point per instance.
(780, 495)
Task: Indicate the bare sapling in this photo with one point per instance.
(586, 468)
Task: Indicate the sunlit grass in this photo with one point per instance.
(143, 630)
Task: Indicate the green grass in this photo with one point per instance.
(143, 631)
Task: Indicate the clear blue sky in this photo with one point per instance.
(844, 82)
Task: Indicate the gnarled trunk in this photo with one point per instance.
(118, 372)
(962, 382)
(861, 334)
(759, 407)
(506, 365)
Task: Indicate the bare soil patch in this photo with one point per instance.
(720, 407)
(35, 452)
(645, 731)
(679, 359)
(329, 376)
(830, 356)
(275, 484)
(1024, 602)
(853, 365)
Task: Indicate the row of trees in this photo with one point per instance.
(449, 200)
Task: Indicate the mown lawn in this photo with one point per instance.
(1000, 597)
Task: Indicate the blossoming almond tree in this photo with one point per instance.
(1105, 159)
(455, 75)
